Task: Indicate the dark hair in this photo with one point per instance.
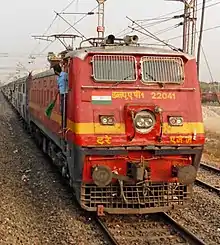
(57, 68)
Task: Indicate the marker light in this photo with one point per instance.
(176, 121)
(107, 120)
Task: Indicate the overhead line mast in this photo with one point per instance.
(189, 25)
(101, 19)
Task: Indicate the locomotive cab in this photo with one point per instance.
(136, 122)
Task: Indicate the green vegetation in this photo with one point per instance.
(206, 87)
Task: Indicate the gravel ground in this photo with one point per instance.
(211, 118)
(210, 111)
(211, 159)
(36, 208)
(209, 177)
(215, 109)
(202, 217)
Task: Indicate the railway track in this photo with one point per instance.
(209, 167)
(155, 229)
(209, 178)
(106, 232)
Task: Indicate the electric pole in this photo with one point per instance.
(200, 36)
(101, 24)
(189, 26)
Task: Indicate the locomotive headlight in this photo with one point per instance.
(107, 120)
(176, 121)
(144, 121)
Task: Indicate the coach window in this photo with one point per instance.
(114, 68)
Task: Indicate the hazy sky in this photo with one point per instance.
(21, 19)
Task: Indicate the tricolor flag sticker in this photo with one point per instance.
(101, 99)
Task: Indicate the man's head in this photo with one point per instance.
(57, 69)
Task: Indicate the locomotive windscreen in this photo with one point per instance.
(114, 68)
(162, 69)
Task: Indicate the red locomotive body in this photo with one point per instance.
(134, 134)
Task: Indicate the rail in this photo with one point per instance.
(107, 234)
(209, 167)
(184, 233)
(204, 184)
(207, 186)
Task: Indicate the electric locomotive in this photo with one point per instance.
(134, 132)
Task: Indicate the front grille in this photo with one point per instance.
(136, 197)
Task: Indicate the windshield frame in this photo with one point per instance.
(113, 81)
(174, 58)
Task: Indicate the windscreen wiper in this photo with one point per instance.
(154, 79)
(120, 81)
(149, 75)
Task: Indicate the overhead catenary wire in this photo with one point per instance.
(51, 24)
(45, 48)
(173, 12)
(45, 32)
(179, 16)
(207, 63)
(166, 19)
(150, 34)
(160, 22)
(148, 25)
(72, 26)
(64, 9)
(154, 44)
(208, 29)
(83, 17)
(200, 47)
(68, 5)
(153, 24)
(165, 30)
